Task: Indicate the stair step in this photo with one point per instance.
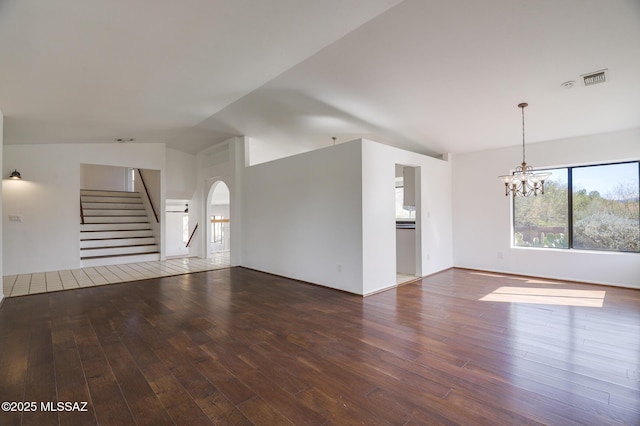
(103, 193)
(105, 235)
(116, 219)
(114, 212)
(114, 199)
(116, 242)
(117, 251)
(117, 260)
(110, 205)
(116, 229)
(114, 226)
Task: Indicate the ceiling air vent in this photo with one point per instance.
(595, 77)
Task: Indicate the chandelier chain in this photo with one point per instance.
(523, 148)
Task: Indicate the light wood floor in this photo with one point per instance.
(404, 278)
(235, 346)
(43, 282)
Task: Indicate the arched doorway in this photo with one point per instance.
(218, 218)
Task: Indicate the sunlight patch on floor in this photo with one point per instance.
(547, 296)
(528, 280)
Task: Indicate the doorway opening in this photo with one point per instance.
(408, 239)
(218, 239)
(176, 228)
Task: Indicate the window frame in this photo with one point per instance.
(570, 209)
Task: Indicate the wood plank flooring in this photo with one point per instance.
(236, 346)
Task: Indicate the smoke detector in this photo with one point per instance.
(595, 77)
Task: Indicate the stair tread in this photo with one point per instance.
(119, 230)
(115, 215)
(109, 191)
(110, 215)
(117, 255)
(114, 238)
(112, 247)
(107, 223)
(115, 226)
(95, 223)
(94, 198)
(116, 223)
(109, 199)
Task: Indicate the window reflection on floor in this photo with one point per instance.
(542, 292)
(547, 296)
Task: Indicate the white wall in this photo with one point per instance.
(181, 175)
(173, 234)
(108, 178)
(482, 213)
(148, 184)
(433, 214)
(181, 185)
(48, 199)
(152, 197)
(328, 216)
(303, 217)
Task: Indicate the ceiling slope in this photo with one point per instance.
(426, 75)
(93, 71)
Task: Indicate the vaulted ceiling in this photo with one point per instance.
(432, 76)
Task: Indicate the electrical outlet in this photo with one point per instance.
(339, 267)
(500, 255)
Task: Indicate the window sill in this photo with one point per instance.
(573, 250)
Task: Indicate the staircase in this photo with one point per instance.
(115, 229)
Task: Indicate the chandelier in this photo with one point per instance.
(524, 181)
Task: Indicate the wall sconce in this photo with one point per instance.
(15, 175)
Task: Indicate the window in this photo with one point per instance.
(217, 229)
(605, 207)
(586, 207)
(543, 221)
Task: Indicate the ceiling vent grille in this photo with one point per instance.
(595, 78)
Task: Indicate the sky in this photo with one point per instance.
(603, 179)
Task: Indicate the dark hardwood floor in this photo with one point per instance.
(237, 346)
